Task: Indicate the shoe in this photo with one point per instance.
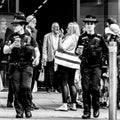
(118, 105)
(62, 108)
(96, 113)
(28, 114)
(79, 104)
(19, 116)
(49, 90)
(73, 107)
(9, 104)
(33, 106)
(86, 115)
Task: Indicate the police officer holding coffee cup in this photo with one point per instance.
(21, 46)
(91, 48)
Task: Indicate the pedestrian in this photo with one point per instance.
(113, 34)
(31, 28)
(21, 46)
(104, 101)
(108, 32)
(10, 97)
(91, 48)
(50, 45)
(67, 65)
(3, 60)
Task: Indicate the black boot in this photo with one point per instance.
(19, 115)
(96, 113)
(28, 114)
(9, 104)
(86, 115)
(33, 106)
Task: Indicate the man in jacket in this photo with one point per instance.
(50, 45)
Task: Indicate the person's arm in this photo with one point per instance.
(78, 49)
(7, 48)
(104, 49)
(66, 43)
(9, 45)
(34, 44)
(44, 49)
(37, 56)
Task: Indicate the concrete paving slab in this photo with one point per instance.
(47, 103)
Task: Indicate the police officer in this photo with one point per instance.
(91, 48)
(21, 46)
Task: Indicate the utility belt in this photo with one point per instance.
(87, 62)
(20, 64)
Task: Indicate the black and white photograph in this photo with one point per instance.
(59, 59)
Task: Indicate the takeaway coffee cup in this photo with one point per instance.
(17, 42)
(80, 49)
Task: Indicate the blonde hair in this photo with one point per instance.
(71, 27)
(74, 28)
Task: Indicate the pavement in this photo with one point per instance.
(47, 102)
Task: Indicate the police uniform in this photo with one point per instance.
(22, 71)
(91, 61)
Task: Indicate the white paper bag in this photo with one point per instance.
(35, 87)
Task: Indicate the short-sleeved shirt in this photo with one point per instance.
(25, 52)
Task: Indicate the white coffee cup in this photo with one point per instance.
(80, 49)
(17, 42)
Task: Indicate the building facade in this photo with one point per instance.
(102, 9)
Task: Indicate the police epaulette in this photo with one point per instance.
(84, 37)
(99, 35)
(83, 33)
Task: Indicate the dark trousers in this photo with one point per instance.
(22, 79)
(35, 76)
(91, 87)
(10, 91)
(49, 75)
(118, 90)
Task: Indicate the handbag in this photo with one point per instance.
(67, 59)
(41, 76)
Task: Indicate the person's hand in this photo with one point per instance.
(61, 33)
(35, 61)
(14, 44)
(79, 50)
(43, 62)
